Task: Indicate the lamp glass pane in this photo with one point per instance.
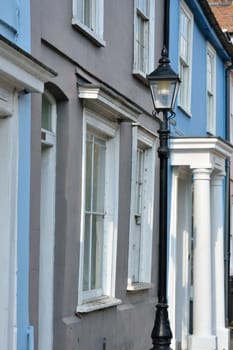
(162, 92)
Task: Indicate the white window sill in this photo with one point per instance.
(98, 304)
(141, 76)
(135, 287)
(93, 36)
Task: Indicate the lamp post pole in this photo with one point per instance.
(161, 334)
(164, 84)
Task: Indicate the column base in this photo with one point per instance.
(199, 342)
(223, 339)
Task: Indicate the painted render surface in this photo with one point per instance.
(81, 63)
(78, 60)
(195, 124)
(195, 177)
(21, 74)
(15, 26)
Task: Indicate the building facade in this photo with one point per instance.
(94, 175)
(224, 14)
(20, 75)
(202, 55)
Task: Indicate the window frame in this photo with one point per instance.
(142, 140)
(211, 119)
(184, 101)
(150, 18)
(98, 299)
(95, 34)
(47, 225)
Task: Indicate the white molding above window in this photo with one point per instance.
(107, 103)
(93, 27)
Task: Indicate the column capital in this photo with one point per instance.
(201, 173)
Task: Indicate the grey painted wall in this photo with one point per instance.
(56, 43)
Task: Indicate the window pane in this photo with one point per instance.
(87, 252)
(95, 195)
(184, 36)
(139, 180)
(183, 85)
(46, 122)
(89, 13)
(143, 5)
(210, 113)
(136, 253)
(99, 175)
(210, 72)
(142, 37)
(88, 172)
(97, 252)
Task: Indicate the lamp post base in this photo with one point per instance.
(161, 334)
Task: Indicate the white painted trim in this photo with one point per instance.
(89, 33)
(98, 304)
(151, 42)
(135, 287)
(172, 268)
(179, 250)
(205, 158)
(97, 34)
(209, 152)
(47, 235)
(6, 99)
(144, 140)
(107, 104)
(102, 126)
(21, 70)
(210, 49)
(188, 13)
(8, 227)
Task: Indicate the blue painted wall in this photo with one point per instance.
(15, 26)
(195, 125)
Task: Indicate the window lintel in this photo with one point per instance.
(107, 102)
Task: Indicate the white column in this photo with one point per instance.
(218, 263)
(202, 338)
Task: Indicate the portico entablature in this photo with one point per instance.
(200, 152)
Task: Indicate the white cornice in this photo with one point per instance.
(21, 70)
(108, 103)
(200, 152)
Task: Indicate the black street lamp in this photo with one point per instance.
(164, 84)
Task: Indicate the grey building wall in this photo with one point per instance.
(63, 48)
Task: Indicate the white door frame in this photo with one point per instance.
(47, 232)
(180, 251)
(8, 227)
